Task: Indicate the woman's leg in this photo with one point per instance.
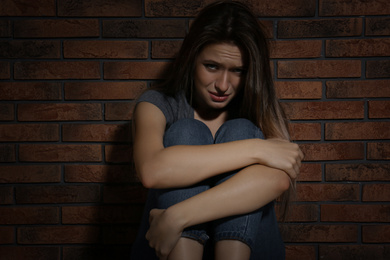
(249, 236)
(182, 132)
(186, 132)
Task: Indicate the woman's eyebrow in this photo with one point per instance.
(221, 64)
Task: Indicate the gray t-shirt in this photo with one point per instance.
(173, 108)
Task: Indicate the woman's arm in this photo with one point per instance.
(184, 165)
(246, 191)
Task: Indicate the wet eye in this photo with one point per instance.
(239, 71)
(211, 66)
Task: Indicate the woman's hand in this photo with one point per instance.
(282, 155)
(164, 232)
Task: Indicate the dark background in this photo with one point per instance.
(70, 70)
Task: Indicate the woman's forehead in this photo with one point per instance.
(223, 52)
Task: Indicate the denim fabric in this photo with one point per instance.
(258, 229)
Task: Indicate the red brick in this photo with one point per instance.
(310, 172)
(5, 70)
(29, 215)
(378, 151)
(106, 49)
(163, 8)
(29, 132)
(300, 252)
(102, 214)
(358, 47)
(29, 253)
(355, 213)
(7, 237)
(332, 151)
(378, 69)
(165, 49)
(5, 29)
(324, 110)
(59, 153)
(28, 8)
(295, 49)
(353, 8)
(7, 153)
(298, 89)
(376, 192)
(52, 235)
(118, 153)
(6, 195)
(327, 192)
(357, 172)
(102, 251)
(305, 131)
(52, 28)
(350, 252)
(99, 8)
(100, 173)
(103, 90)
(377, 26)
(57, 194)
(319, 233)
(29, 49)
(290, 7)
(59, 112)
(376, 234)
(129, 194)
(301, 213)
(30, 91)
(144, 28)
(57, 70)
(357, 130)
(119, 111)
(358, 89)
(379, 109)
(7, 112)
(96, 133)
(30, 173)
(319, 69)
(319, 28)
(134, 70)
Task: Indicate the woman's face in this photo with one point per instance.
(219, 73)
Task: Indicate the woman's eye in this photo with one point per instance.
(211, 66)
(239, 71)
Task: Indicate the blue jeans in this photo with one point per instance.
(258, 229)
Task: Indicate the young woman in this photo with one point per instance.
(212, 145)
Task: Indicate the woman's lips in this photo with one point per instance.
(218, 98)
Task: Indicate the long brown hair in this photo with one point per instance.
(233, 22)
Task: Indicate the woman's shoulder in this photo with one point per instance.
(173, 107)
(151, 94)
(154, 95)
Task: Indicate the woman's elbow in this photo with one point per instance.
(284, 181)
(146, 177)
(149, 177)
(147, 182)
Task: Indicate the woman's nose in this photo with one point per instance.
(222, 83)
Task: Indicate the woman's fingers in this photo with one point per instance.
(285, 156)
(163, 233)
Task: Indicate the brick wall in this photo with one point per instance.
(70, 70)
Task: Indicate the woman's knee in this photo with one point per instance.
(188, 132)
(237, 129)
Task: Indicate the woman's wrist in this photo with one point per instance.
(178, 216)
(258, 150)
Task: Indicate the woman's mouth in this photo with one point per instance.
(218, 98)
